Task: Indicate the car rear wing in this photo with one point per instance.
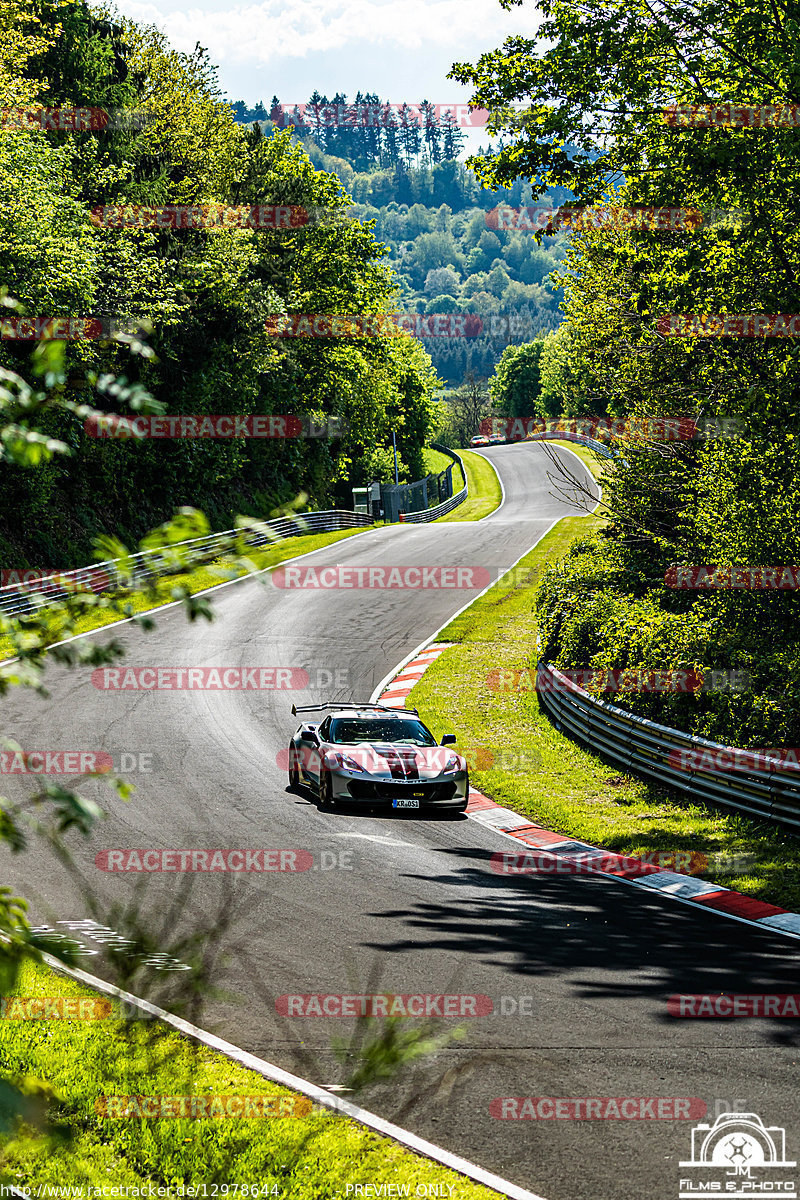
(385, 708)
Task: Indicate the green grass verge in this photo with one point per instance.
(588, 457)
(436, 462)
(195, 581)
(81, 1060)
(485, 493)
(562, 786)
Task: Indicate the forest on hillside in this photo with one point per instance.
(366, 131)
(434, 219)
(198, 294)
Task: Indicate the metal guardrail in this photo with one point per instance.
(636, 744)
(25, 597)
(431, 514)
(592, 443)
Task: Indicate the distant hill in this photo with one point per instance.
(433, 216)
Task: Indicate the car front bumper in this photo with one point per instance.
(450, 792)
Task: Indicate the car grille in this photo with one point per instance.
(360, 789)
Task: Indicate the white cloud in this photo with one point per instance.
(272, 32)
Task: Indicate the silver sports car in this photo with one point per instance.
(369, 754)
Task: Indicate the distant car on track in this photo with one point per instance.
(373, 755)
(479, 440)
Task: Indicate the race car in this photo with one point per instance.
(373, 755)
(479, 440)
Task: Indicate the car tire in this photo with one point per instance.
(294, 774)
(326, 799)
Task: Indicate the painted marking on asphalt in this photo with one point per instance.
(374, 837)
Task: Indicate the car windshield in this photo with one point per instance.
(349, 731)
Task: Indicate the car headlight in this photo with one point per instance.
(451, 763)
(351, 764)
(345, 762)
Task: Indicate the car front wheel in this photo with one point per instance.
(326, 799)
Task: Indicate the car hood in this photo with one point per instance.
(401, 761)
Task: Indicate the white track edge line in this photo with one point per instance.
(502, 489)
(215, 587)
(387, 679)
(277, 1074)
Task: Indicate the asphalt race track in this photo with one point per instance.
(589, 962)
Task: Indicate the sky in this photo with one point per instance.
(400, 49)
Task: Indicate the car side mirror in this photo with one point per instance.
(449, 739)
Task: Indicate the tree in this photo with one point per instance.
(452, 137)
(468, 405)
(442, 304)
(431, 130)
(441, 280)
(516, 384)
(596, 82)
(498, 280)
(433, 250)
(205, 291)
(410, 135)
(390, 154)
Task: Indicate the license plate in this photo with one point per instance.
(406, 802)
